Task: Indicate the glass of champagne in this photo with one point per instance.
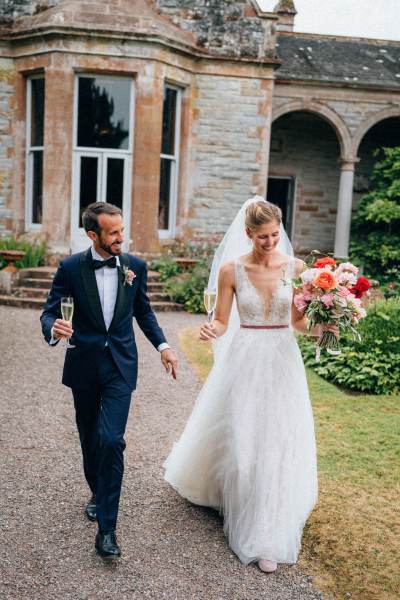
(210, 298)
(67, 310)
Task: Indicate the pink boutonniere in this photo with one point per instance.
(129, 276)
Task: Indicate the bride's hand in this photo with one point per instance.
(207, 332)
(330, 327)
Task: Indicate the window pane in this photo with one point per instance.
(37, 186)
(115, 181)
(169, 120)
(37, 111)
(103, 112)
(88, 183)
(165, 193)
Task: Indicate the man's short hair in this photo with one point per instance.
(90, 216)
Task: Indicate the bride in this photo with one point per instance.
(248, 449)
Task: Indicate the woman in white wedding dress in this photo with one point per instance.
(248, 449)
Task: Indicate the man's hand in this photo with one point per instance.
(62, 329)
(170, 362)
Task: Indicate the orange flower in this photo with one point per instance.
(325, 280)
(322, 262)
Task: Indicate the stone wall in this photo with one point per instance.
(305, 147)
(10, 9)
(224, 27)
(6, 143)
(229, 149)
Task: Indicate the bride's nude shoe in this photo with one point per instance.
(268, 566)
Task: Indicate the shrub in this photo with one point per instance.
(34, 252)
(167, 267)
(188, 288)
(371, 365)
(375, 237)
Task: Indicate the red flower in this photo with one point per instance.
(323, 262)
(363, 284)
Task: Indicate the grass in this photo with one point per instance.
(351, 541)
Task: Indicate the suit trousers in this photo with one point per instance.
(101, 417)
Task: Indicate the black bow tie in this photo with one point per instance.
(110, 262)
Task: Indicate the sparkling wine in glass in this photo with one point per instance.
(210, 298)
(67, 310)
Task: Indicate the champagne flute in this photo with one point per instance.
(210, 298)
(67, 310)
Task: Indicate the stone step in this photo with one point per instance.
(158, 296)
(37, 273)
(21, 302)
(158, 306)
(34, 282)
(166, 306)
(155, 286)
(153, 275)
(30, 292)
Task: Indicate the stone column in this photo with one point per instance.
(146, 159)
(57, 157)
(343, 218)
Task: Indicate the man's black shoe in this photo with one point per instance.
(91, 510)
(106, 544)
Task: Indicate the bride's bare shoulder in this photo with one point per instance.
(227, 271)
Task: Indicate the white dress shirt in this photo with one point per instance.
(107, 285)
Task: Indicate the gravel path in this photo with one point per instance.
(171, 549)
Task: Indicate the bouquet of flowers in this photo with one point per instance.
(330, 294)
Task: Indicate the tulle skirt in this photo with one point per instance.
(248, 449)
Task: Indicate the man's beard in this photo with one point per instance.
(110, 248)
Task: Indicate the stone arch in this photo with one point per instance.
(373, 119)
(326, 113)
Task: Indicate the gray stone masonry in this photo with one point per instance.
(225, 149)
(224, 27)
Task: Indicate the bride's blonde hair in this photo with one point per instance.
(261, 212)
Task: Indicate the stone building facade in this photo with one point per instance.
(179, 110)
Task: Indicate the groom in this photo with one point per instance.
(108, 289)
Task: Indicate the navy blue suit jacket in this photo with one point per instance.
(76, 277)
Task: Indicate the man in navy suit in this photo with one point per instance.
(109, 288)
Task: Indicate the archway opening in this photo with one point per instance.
(386, 133)
(305, 154)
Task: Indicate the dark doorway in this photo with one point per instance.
(280, 192)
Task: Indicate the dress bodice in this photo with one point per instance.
(255, 308)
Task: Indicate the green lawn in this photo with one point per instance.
(351, 542)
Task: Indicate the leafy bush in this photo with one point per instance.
(34, 252)
(167, 267)
(375, 237)
(371, 365)
(188, 288)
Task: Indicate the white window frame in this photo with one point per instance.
(174, 159)
(78, 235)
(29, 151)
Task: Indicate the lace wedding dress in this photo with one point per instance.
(248, 449)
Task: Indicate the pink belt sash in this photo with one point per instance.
(243, 326)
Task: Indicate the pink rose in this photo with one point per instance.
(343, 291)
(308, 295)
(299, 302)
(327, 299)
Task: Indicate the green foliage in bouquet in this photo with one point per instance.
(371, 365)
(188, 288)
(34, 252)
(375, 235)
